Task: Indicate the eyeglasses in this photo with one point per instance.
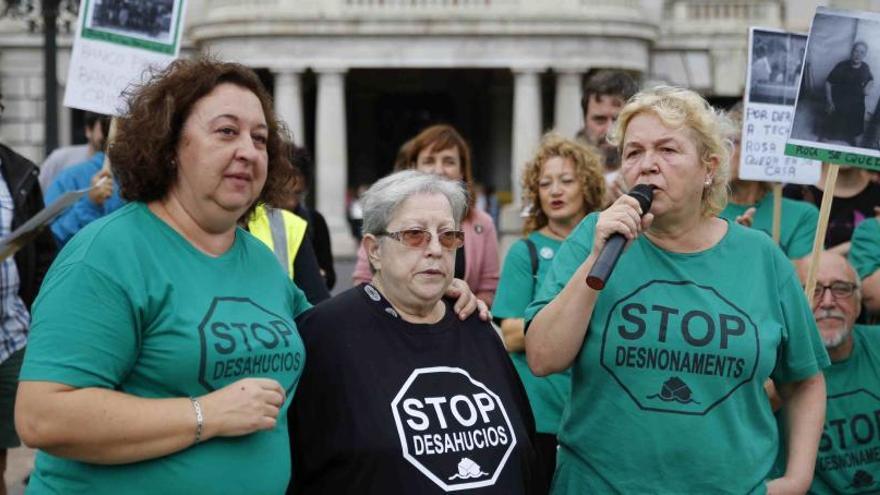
(418, 238)
(839, 290)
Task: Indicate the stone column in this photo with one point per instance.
(288, 102)
(526, 124)
(568, 115)
(331, 158)
(526, 135)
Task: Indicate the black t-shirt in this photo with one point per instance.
(385, 406)
(846, 213)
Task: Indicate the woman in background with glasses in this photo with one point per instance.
(399, 394)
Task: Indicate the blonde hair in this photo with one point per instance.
(680, 108)
(587, 169)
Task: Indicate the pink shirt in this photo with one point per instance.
(480, 257)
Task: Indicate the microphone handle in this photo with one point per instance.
(606, 261)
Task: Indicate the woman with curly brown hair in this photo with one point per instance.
(178, 347)
(441, 150)
(562, 183)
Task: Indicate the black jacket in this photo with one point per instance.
(319, 235)
(34, 259)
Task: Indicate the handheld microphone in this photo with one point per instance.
(613, 247)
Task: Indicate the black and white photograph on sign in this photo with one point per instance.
(149, 20)
(776, 63)
(837, 106)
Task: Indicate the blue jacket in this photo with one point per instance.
(83, 211)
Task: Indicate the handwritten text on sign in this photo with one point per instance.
(765, 129)
(112, 52)
(100, 72)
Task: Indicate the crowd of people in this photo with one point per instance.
(167, 352)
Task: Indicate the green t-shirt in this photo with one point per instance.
(864, 251)
(130, 305)
(667, 391)
(849, 451)
(516, 288)
(797, 228)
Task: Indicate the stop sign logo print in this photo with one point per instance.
(452, 428)
(241, 339)
(678, 347)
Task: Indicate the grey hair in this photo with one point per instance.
(383, 198)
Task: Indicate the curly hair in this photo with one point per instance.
(143, 154)
(587, 169)
(438, 138)
(680, 108)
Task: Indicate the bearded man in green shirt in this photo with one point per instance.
(849, 450)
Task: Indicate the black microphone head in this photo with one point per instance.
(644, 194)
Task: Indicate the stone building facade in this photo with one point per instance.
(354, 78)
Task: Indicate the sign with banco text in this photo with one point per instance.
(117, 43)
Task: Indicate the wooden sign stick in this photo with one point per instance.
(777, 211)
(819, 240)
(111, 137)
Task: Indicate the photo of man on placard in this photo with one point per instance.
(838, 97)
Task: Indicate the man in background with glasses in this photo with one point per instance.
(849, 451)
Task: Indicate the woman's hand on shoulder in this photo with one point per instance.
(622, 217)
(243, 407)
(466, 302)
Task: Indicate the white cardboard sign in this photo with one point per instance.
(775, 64)
(117, 42)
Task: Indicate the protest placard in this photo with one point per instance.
(836, 117)
(117, 41)
(775, 63)
(29, 230)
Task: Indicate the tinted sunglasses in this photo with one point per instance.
(418, 238)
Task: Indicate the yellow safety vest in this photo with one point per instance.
(282, 231)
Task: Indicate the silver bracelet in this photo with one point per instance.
(200, 419)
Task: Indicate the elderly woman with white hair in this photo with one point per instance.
(399, 395)
(669, 359)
